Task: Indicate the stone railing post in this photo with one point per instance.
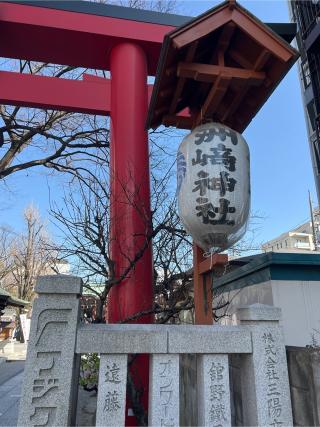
(111, 402)
(164, 390)
(264, 373)
(213, 390)
(50, 379)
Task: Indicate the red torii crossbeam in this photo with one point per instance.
(92, 95)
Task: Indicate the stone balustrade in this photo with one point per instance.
(57, 340)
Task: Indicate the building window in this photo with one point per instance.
(311, 108)
(306, 74)
(316, 150)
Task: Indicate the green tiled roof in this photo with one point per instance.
(11, 300)
(270, 266)
(4, 293)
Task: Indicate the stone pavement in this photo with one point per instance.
(11, 375)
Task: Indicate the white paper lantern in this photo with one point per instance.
(213, 191)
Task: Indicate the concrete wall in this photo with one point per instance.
(188, 390)
(299, 303)
(261, 293)
(304, 377)
(235, 390)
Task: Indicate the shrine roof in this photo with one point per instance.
(221, 66)
(53, 31)
(261, 268)
(11, 300)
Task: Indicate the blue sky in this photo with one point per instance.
(281, 172)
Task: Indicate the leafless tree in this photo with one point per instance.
(85, 222)
(29, 256)
(6, 248)
(56, 140)
(164, 6)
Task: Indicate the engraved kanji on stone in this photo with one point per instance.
(167, 422)
(271, 363)
(112, 374)
(217, 413)
(207, 135)
(270, 349)
(112, 403)
(274, 407)
(276, 423)
(272, 374)
(217, 391)
(216, 371)
(222, 184)
(221, 155)
(268, 338)
(273, 389)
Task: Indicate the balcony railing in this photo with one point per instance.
(307, 15)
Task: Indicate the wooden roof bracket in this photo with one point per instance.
(208, 73)
(189, 57)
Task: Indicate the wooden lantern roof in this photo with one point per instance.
(222, 65)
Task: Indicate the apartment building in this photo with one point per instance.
(301, 239)
(306, 14)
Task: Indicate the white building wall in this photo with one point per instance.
(261, 293)
(300, 303)
(298, 300)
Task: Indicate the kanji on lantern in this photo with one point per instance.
(214, 186)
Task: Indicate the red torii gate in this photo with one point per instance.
(127, 43)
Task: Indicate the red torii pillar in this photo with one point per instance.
(130, 211)
(130, 185)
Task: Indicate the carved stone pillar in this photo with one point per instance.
(264, 373)
(50, 379)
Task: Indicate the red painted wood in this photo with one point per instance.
(27, 90)
(202, 280)
(90, 95)
(130, 195)
(72, 38)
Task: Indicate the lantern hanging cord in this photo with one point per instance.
(210, 254)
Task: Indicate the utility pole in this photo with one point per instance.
(312, 224)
